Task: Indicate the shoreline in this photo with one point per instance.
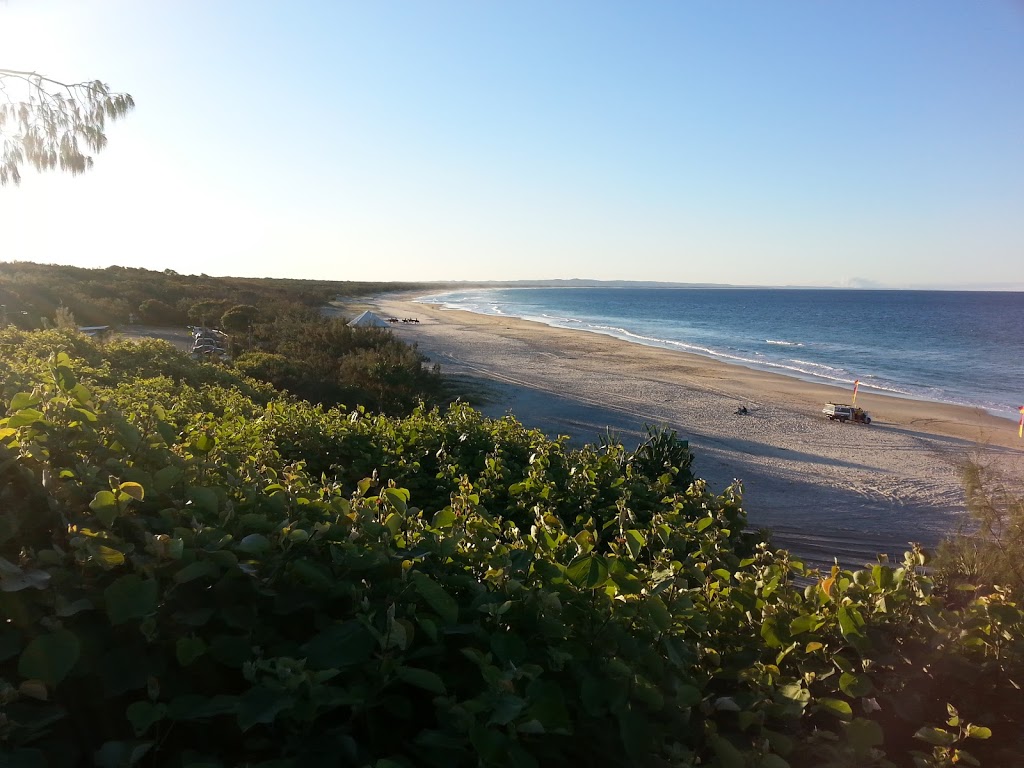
(623, 334)
(823, 487)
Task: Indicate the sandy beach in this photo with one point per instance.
(824, 488)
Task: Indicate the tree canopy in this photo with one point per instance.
(48, 124)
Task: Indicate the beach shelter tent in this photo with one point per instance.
(367, 320)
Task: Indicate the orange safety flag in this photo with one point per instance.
(1020, 427)
(856, 384)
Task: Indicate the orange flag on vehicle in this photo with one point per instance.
(1020, 427)
(856, 384)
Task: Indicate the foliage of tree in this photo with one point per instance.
(239, 318)
(208, 311)
(157, 312)
(196, 571)
(47, 124)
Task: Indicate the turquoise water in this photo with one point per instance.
(965, 348)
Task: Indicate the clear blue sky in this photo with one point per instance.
(814, 143)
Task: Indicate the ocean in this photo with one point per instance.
(959, 347)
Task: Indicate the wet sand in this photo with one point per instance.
(824, 488)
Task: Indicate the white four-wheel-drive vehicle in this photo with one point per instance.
(842, 412)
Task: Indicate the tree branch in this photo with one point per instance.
(46, 126)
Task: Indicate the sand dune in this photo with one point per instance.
(823, 487)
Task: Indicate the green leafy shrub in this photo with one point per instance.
(274, 369)
(344, 365)
(186, 580)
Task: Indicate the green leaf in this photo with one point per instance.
(261, 705)
(801, 624)
(443, 519)
(547, 705)
(882, 576)
(587, 571)
(107, 556)
(104, 506)
(24, 400)
(192, 706)
(121, 754)
(422, 678)
(436, 597)
(979, 732)
(143, 714)
(864, 734)
(635, 542)
(204, 443)
(506, 709)
(64, 607)
(850, 622)
(65, 378)
(795, 692)
(81, 394)
(508, 646)
(231, 650)
(728, 755)
(167, 432)
(837, 707)
(772, 761)
(937, 737)
(188, 649)
(254, 544)
(636, 734)
(50, 657)
(25, 417)
(855, 686)
(657, 612)
(135, 490)
(394, 523)
(398, 498)
(770, 633)
(341, 645)
(223, 558)
(687, 696)
(165, 478)
(86, 413)
(205, 499)
(130, 598)
(194, 571)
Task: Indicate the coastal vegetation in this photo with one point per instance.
(990, 549)
(198, 569)
(279, 332)
(31, 293)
